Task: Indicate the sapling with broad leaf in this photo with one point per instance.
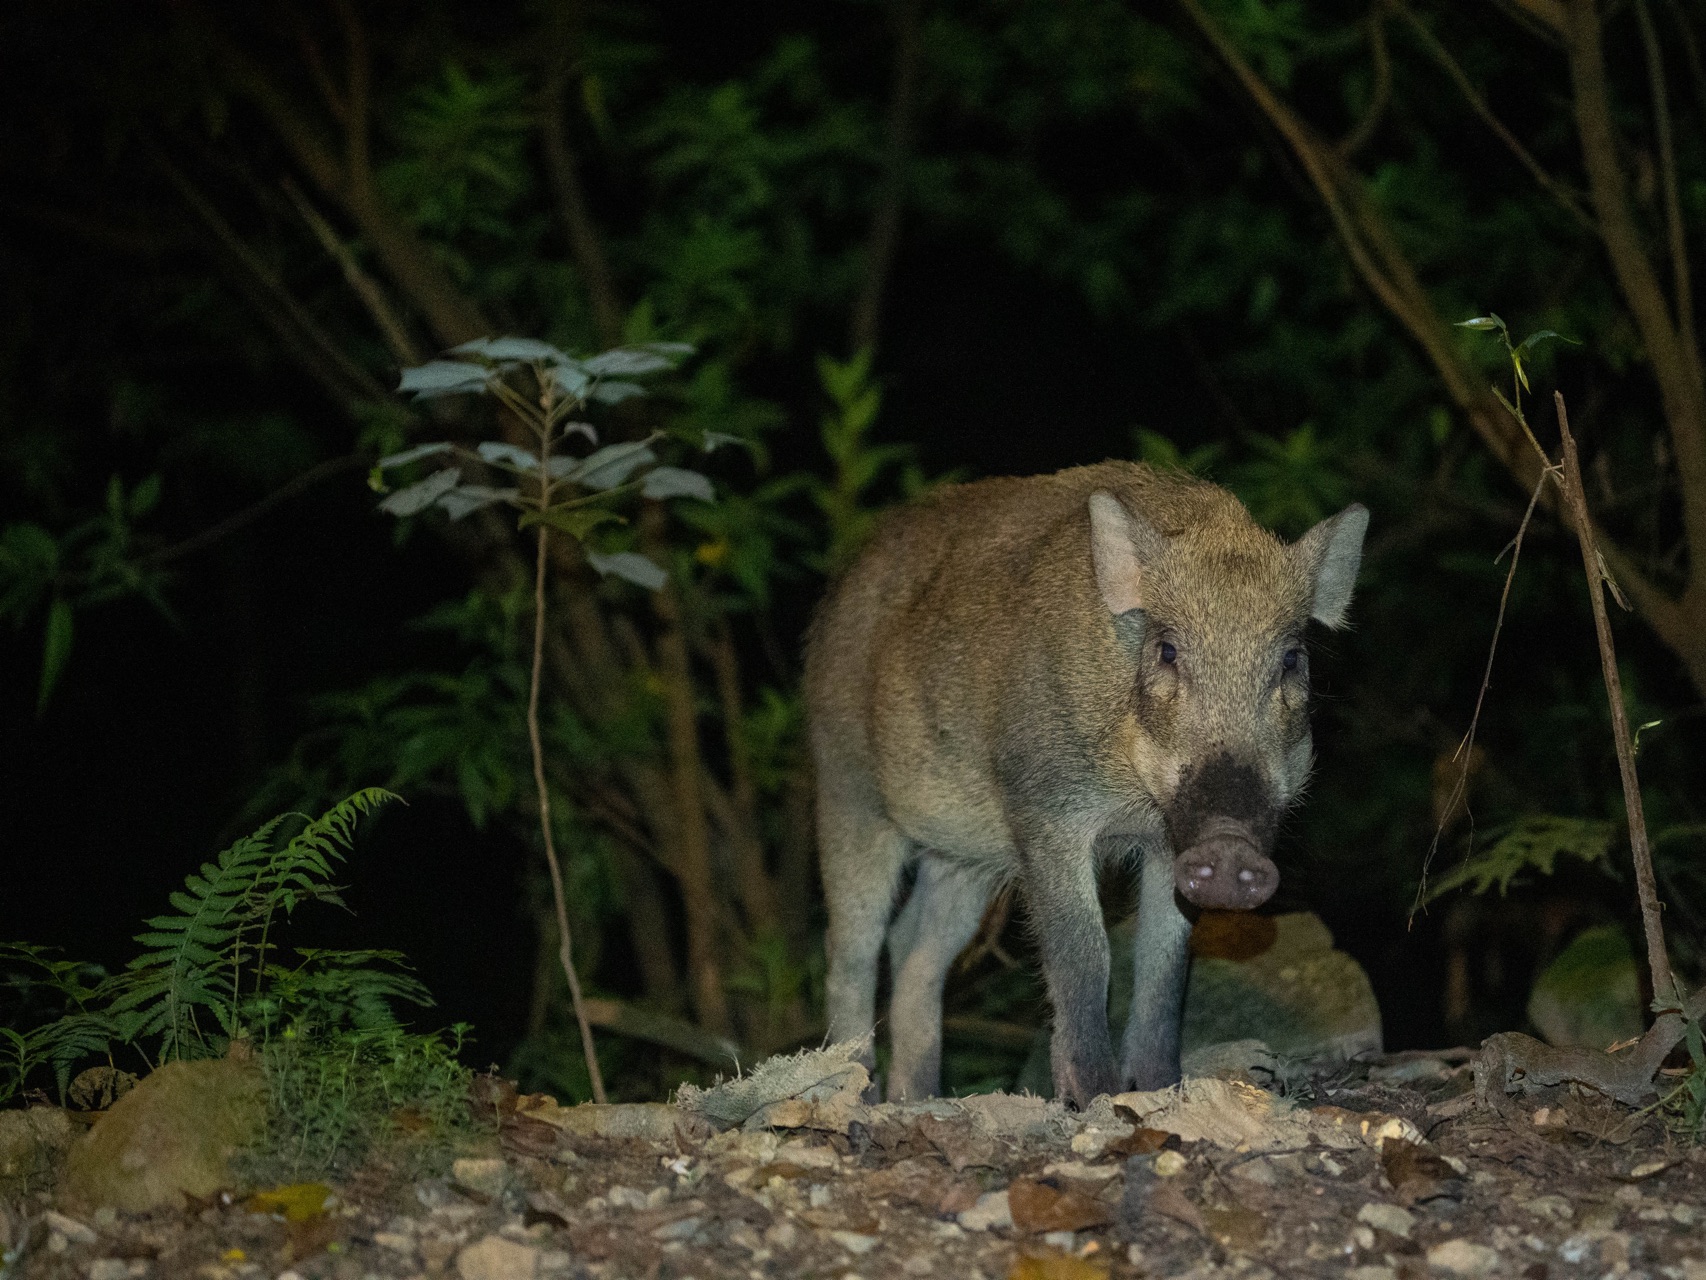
(553, 489)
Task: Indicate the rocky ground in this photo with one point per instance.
(1388, 1170)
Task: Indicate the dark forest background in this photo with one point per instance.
(911, 241)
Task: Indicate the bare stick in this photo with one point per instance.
(1466, 748)
(565, 952)
(1575, 500)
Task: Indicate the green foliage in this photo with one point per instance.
(336, 1092)
(90, 563)
(551, 488)
(1531, 846)
(196, 960)
(845, 500)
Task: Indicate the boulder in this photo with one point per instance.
(1590, 996)
(171, 1136)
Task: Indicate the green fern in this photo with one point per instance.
(194, 961)
(1531, 845)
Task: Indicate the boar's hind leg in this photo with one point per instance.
(1149, 1054)
(862, 857)
(934, 926)
(1066, 919)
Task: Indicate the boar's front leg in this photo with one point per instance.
(1066, 917)
(1149, 1054)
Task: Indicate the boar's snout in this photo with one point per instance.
(1225, 871)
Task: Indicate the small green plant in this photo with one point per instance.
(554, 490)
(342, 1070)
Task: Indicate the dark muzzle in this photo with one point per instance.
(1222, 823)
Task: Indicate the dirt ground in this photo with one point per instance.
(1389, 1170)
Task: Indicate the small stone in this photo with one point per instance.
(1169, 1163)
(680, 1229)
(806, 1155)
(289, 1275)
(782, 1235)
(495, 1258)
(109, 1269)
(918, 1265)
(1462, 1258)
(1557, 1208)
(1686, 1214)
(1387, 1217)
(854, 1242)
(820, 1195)
(74, 1231)
(1362, 1237)
(106, 1218)
(488, 1175)
(991, 1210)
(1065, 1241)
(1371, 1273)
(394, 1240)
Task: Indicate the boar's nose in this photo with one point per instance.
(1225, 871)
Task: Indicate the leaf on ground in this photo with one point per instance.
(1415, 1172)
(1141, 1142)
(1168, 1201)
(1238, 1229)
(1039, 1207)
(919, 1180)
(298, 1202)
(1057, 1266)
(961, 1144)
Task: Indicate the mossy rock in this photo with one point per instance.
(170, 1137)
(1590, 995)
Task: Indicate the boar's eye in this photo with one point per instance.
(1168, 652)
(1289, 661)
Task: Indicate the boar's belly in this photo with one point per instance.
(949, 812)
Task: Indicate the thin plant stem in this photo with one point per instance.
(1466, 748)
(1658, 962)
(565, 952)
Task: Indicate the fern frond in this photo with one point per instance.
(193, 959)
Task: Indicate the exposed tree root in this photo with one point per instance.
(1512, 1063)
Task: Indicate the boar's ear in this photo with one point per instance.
(1330, 553)
(1122, 545)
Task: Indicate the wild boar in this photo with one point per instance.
(1023, 679)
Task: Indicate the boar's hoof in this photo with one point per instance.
(1225, 873)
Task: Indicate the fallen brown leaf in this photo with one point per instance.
(1238, 1229)
(1170, 1202)
(961, 1195)
(529, 1137)
(961, 1145)
(1415, 1172)
(1039, 1207)
(1057, 1266)
(1141, 1142)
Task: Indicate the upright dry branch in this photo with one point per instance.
(585, 243)
(1576, 503)
(703, 906)
(884, 236)
(1675, 367)
(1682, 286)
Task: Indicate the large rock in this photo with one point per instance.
(171, 1136)
(1273, 984)
(1277, 979)
(1590, 996)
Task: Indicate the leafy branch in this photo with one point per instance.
(552, 491)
